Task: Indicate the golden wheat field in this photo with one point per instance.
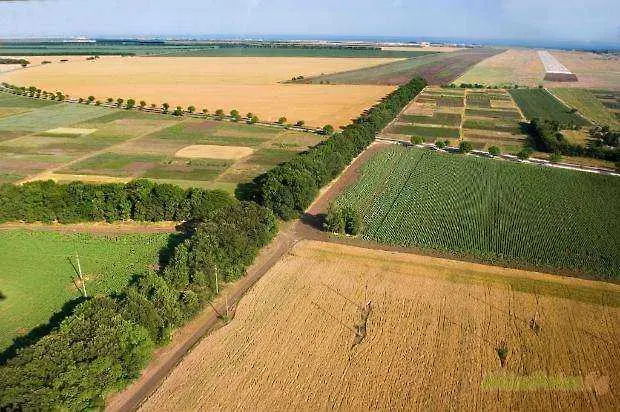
(433, 339)
(249, 84)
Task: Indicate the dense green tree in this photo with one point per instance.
(465, 147)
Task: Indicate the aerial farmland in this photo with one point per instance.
(417, 213)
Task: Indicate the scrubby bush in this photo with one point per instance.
(495, 151)
(524, 153)
(417, 140)
(343, 219)
(465, 147)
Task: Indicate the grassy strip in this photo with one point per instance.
(424, 131)
(445, 119)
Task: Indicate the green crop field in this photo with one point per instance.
(508, 126)
(425, 131)
(52, 116)
(588, 105)
(444, 119)
(37, 274)
(494, 113)
(9, 100)
(539, 103)
(495, 211)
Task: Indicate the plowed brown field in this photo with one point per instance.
(431, 339)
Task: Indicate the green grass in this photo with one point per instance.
(588, 105)
(495, 211)
(217, 133)
(271, 157)
(36, 279)
(10, 100)
(444, 119)
(424, 131)
(50, 117)
(492, 124)
(494, 113)
(539, 103)
(194, 169)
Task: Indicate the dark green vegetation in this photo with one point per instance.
(498, 212)
(540, 104)
(195, 49)
(439, 68)
(288, 189)
(144, 200)
(107, 340)
(546, 136)
(22, 62)
(38, 273)
(491, 124)
(425, 131)
(444, 119)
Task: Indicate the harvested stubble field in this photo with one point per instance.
(249, 84)
(439, 68)
(523, 67)
(431, 338)
(491, 210)
(38, 274)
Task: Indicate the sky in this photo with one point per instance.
(531, 20)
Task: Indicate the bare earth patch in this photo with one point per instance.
(207, 151)
(69, 131)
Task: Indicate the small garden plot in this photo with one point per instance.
(492, 124)
(450, 101)
(67, 132)
(214, 152)
(444, 119)
(539, 103)
(425, 131)
(474, 99)
(495, 114)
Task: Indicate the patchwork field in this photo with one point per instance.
(589, 106)
(540, 103)
(249, 84)
(484, 117)
(491, 210)
(80, 142)
(440, 68)
(39, 272)
(431, 340)
(523, 67)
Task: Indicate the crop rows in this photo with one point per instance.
(495, 211)
(539, 103)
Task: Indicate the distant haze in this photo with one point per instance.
(522, 21)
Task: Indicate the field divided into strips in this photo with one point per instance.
(611, 101)
(495, 211)
(430, 342)
(37, 276)
(587, 103)
(539, 103)
(485, 117)
(513, 66)
(440, 68)
(88, 143)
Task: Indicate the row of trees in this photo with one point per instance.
(144, 200)
(34, 92)
(545, 136)
(288, 189)
(107, 340)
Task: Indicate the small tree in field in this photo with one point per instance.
(440, 144)
(342, 219)
(249, 115)
(130, 104)
(495, 151)
(142, 104)
(205, 111)
(417, 140)
(191, 109)
(234, 115)
(91, 99)
(219, 113)
(254, 119)
(119, 102)
(165, 106)
(328, 129)
(109, 100)
(465, 147)
(178, 111)
(153, 105)
(98, 103)
(300, 123)
(282, 120)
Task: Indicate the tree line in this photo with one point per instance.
(144, 200)
(288, 189)
(545, 135)
(107, 340)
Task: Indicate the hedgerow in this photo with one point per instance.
(288, 189)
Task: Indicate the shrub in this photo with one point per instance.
(282, 120)
(465, 147)
(555, 158)
(343, 219)
(417, 140)
(328, 129)
(254, 119)
(440, 144)
(495, 151)
(525, 153)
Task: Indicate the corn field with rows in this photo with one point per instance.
(493, 210)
